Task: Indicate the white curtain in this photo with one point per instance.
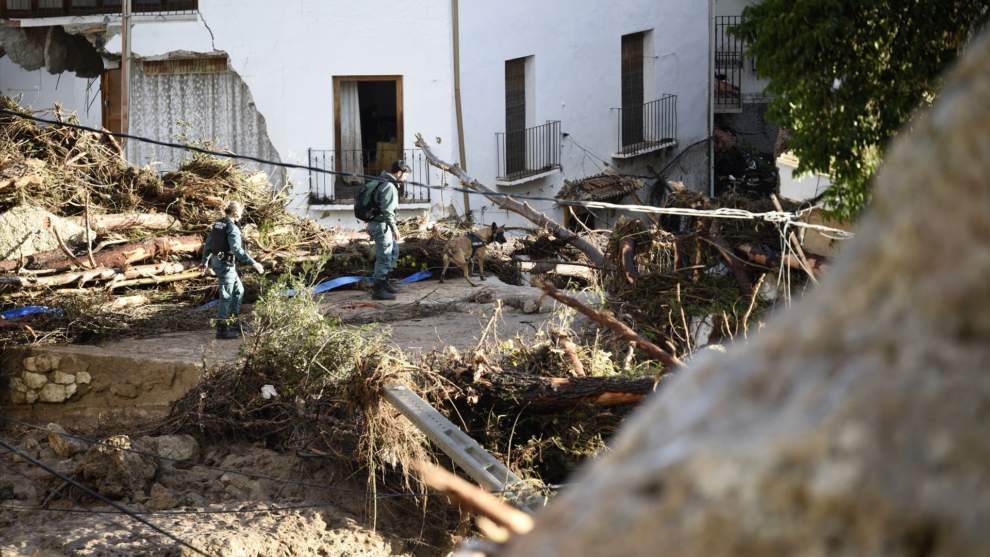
(350, 131)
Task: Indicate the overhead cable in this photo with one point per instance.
(773, 216)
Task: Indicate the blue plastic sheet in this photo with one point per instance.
(337, 283)
(416, 277)
(28, 310)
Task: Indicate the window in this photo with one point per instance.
(515, 114)
(632, 89)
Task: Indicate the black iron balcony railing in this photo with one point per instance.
(329, 189)
(56, 8)
(528, 152)
(728, 65)
(648, 127)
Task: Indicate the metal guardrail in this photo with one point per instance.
(57, 8)
(331, 190)
(528, 152)
(728, 64)
(464, 451)
(648, 127)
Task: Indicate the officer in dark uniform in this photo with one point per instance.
(224, 247)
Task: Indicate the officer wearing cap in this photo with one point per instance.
(225, 249)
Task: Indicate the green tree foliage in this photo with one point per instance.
(847, 74)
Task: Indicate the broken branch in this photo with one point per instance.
(624, 332)
(586, 247)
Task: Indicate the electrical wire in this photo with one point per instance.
(775, 216)
(92, 493)
(249, 474)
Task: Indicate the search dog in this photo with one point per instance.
(470, 247)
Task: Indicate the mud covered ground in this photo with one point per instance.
(234, 516)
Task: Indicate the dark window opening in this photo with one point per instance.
(515, 115)
(632, 89)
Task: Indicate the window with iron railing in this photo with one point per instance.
(728, 65)
(330, 189)
(55, 8)
(528, 152)
(647, 127)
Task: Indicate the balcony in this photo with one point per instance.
(647, 128)
(328, 189)
(728, 66)
(27, 9)
(528, 154)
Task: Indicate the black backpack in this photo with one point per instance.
(367, 206)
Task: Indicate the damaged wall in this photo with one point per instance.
(53, 49)
(219, 108)
(47, 65)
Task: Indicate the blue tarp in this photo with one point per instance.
(337, 283)
(28, 310)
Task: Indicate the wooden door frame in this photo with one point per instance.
(106, 97)
(338, 79)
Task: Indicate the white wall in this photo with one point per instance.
(42, 89)
(288, 53)
(577, 57)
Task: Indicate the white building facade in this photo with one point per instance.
(548, 91)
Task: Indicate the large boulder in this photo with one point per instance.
(116, 472)
(858, 423)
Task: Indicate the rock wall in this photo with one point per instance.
(859, 422)
(88, 387)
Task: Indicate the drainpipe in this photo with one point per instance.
(125, 71)
(457, 101)
(711, 99)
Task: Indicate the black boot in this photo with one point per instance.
(226, 333)
(389, 287)
(378, 292)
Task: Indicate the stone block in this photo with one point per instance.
(70, 390)
(16, 384)
(63, 378)
(180, 447)
(83, 377)
(43, 364)
(194, 499)
(161, 499)
(116, 472)
(63, 445)
(54, 361)
(52, 393)
(31, 397)
(34, 380)
(17, 397)
(29, 364)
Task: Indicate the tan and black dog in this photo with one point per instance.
(471, 246)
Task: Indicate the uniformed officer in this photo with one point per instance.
(225, 249)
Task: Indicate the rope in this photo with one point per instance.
(777, 217)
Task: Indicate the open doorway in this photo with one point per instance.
(368, 127)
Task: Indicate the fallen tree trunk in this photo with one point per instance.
(102, 223)
(624, 332)
(119, 256)
(509, 204)
(507, 390)
(83, 276)
(753, 252)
